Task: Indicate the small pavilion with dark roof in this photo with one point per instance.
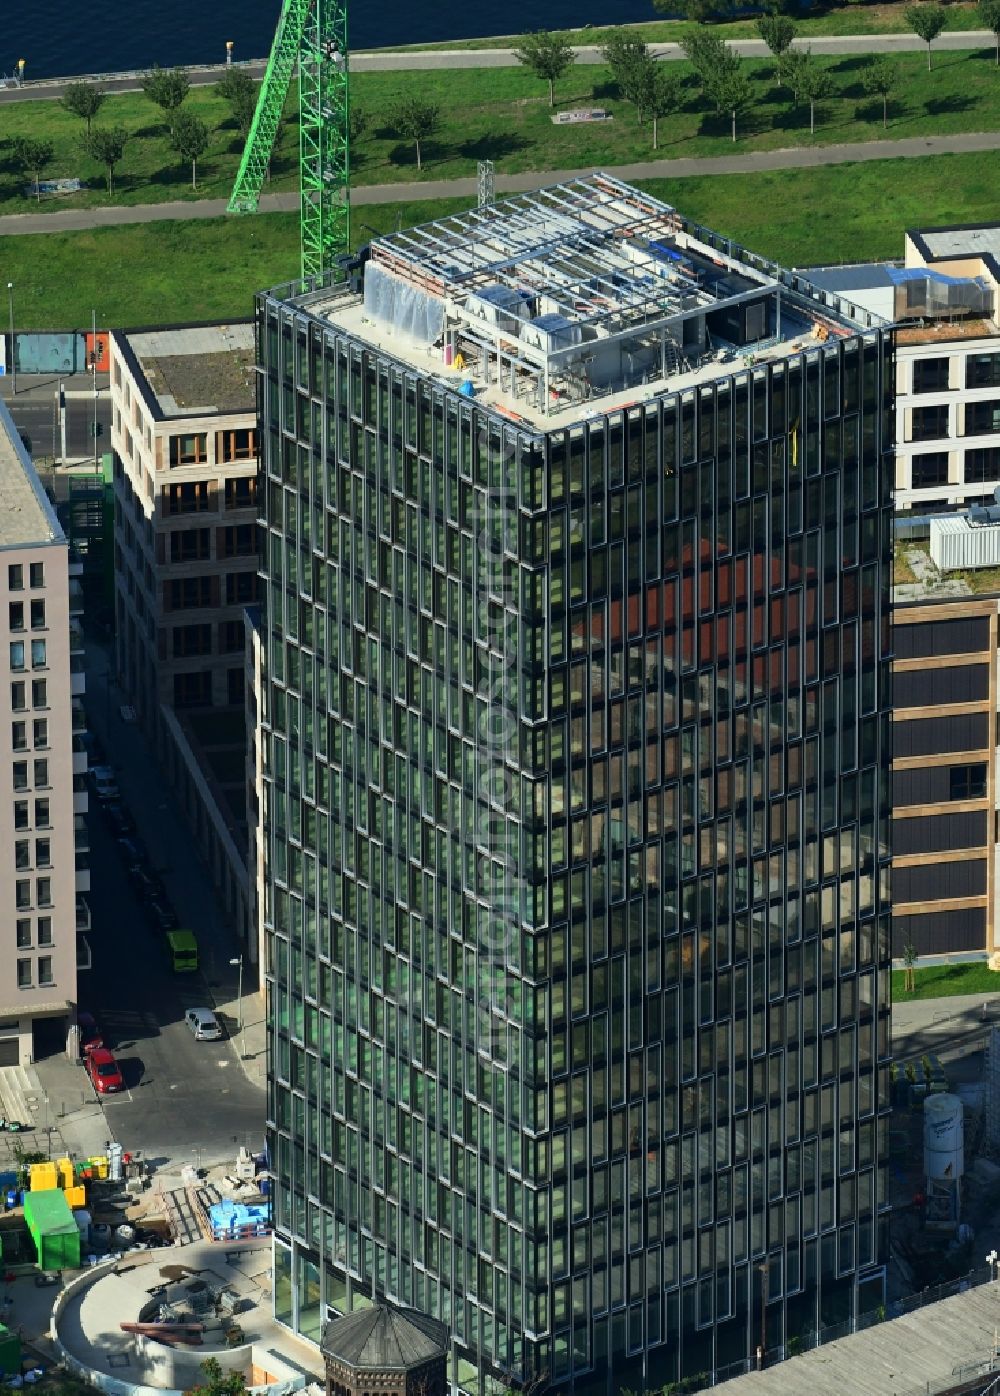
(385, 1351)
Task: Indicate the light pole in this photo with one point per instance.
(238, 960)
(991, 1261)
(13, 351)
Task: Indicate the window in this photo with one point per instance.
(20, 769)
(191, 639)
(982, 417)
(44, 891)
(190, 498)
(39, 693)
(189, 450)
(24, 933)
(192, 690)
(45, 930)
(15, 615)
(237, 541)
(982, 371)
(38, 654)
(241, 588)
(41, 774)
(17, 655)
(241, 493)
(22, 854)
(37, 574)
(929, 423)
(238, 444)
(40, 732)
(191, 545)
(929, 470)
(22, 893)
(189, 593)
(38, 615)
(982, 464)
(15, 576)
(232, 636)
(930, 375)
(43, 853)
(42, 814)
(17, 696)
(20, 814)
(19, 736)
(967, 782)
(24, 974)
(45, 969)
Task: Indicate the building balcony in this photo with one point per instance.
(75, 597)
(83, 879)
(79, 761)
(79, 718)
(82, 913)
(84, 959)
(81, 802)
(81, 834)
(75, 636)
(77, 681)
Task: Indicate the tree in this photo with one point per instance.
(778, 31)
(548, 56)
(729, 91)
(909, 980)
(627, 58)
(84, 100)
(989, 15)
(31, 156)
(879, 78)
(107, 145)
(416, 120)
(707, 53)
(704, 11)
(790, 70)
(167, 89)
(217, 1382)
(926, 21)
(661, 93)
(814, 83)
(238, 89)
(189, 138)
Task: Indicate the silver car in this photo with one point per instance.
(203, 1024)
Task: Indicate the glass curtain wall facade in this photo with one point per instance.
(576, 815)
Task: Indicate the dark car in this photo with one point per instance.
(145, 884)
(133, 850)
(121, 822)
(91, 1036)
(162, 914)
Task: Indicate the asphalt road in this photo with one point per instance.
(185, 1101)
(35, 413)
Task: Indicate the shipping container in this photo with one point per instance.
(962, 541)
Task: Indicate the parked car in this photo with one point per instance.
(91, 1036)
(133, 850)
(121, 822)
(104, 1071)
(162, 914)
(203, 1024)
(146, 885)
(104, 783)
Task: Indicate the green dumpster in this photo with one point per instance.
(10, 1353)
(53, 1229)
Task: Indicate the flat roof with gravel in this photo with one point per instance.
(198, 371)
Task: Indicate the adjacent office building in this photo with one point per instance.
(944, 296)
(575, 791)
(184, 437)
(44, 797)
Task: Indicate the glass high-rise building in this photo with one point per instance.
(576, 537)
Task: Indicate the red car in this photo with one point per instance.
(103, 1071)
(90, 1032)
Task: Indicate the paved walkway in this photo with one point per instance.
(751, 162)
(387, 61)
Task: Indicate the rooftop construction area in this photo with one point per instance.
(586, 290)
(26, 516)
(194, 372)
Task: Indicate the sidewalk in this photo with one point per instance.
(171, 842)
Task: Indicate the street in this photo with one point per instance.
(185, 1101)
(35, 410)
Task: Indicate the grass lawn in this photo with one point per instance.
(848, 19)
(503, 114)
(939, 981)
(163, 273)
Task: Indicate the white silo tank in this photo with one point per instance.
(944, 1135)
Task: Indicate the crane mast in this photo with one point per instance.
(312, 34)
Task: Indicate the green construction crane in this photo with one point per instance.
(312, 33)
